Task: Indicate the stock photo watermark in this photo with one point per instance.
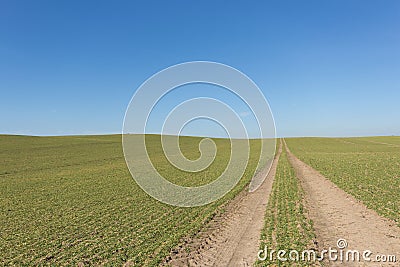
(340, 253)
(225, 114)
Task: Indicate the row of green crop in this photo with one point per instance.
(286, 224)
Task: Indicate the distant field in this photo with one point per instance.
(66, 200)
(367, 167)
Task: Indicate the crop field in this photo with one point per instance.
(286, 224)
(71, 200)
(367, 168)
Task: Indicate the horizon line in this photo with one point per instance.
(200, 136)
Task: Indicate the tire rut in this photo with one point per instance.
(336, 214)
(231, 238)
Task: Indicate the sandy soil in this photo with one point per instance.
(337, 214)
(233, 237)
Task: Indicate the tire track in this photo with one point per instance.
(231, 238)
(337, 214)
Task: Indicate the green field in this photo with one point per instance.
(367, 168)
(70, 200)
(286, 224)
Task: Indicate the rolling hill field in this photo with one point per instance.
(70, 200)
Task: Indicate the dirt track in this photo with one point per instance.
(233, 237)
(337, 214)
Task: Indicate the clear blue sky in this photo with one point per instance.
(327, 68)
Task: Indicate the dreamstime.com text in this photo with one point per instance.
(339, 254)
